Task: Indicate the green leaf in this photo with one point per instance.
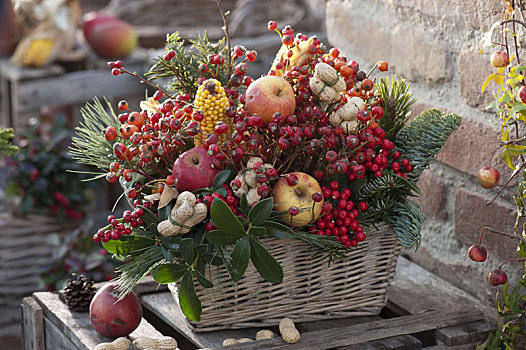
(205, 282)
(127, 245)
(278, 230)
(258, 231)
(187, 250)
(224, 219)
(512, 151)
(221, 178)
(168, 273)
(221, 191)
(261, 211)
(166, 254)
(188, 300)
(238, 263)
(264, 262)
(164, 212)
(218, 237)
(243, 204)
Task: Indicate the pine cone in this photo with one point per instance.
(78, 292)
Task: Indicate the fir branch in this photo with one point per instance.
(89, 146)
(6, 147)
(422, 139)
(396, 102)
(406, 218)
(382, 194)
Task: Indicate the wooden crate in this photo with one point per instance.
(423, 312)
(24, 91)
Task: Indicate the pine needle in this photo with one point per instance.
(89, 146)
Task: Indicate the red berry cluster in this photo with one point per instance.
(339, 216)
(124, 225)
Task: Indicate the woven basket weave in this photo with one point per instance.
(311, 290)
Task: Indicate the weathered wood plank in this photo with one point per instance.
(32, 326)
(55, 339)
(366, 332)
(164, 307)
(76, 87)
(76, 326)
(401, 342)
(464, 334)
(415, 290)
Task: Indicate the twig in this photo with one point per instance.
(500, 233)
(225, 29)
(522, 139)
(514, 20)
(507, 183)
(145, 81)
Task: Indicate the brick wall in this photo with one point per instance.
(435, 45)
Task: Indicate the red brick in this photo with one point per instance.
(417, 58)
(472, 213)
(474, 69)
(433, 196)
(470, 147)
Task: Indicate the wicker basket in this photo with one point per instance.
(311, 290)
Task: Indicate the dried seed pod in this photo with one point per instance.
(244, 340)
(166, 228)
(336, 118)
(200, 211)
(252, 161)
(165, 343)
(325, 73)
(250, 179)
(253, 196)
(349, 126)
(118, 344)
(264, 334)
(288, 331)
(230, 341)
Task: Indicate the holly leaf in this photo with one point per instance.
(127, 245)
(188, 300)
(238, 262)
(224, 219)
(168, 273)
(261, 211)
(221, 178)
(218, 237)
(264, 262)
(278, 230)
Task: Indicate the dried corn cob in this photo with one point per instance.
(211, 100)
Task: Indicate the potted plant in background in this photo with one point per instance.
(509, 103)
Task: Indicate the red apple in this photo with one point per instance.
(488, 177)
(297, 194)
(477, 253)
(109, 36)
(497, 277)
(500, 59)
(268, 95)
(113, 318)
(193, 170)
(522, 94)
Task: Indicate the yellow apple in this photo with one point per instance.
(300, 196)
(268, 95)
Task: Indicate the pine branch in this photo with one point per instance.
(89, 146)
(132, 273)
(422, 139)
(184, 66)
(406, 218)
(396, 101)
